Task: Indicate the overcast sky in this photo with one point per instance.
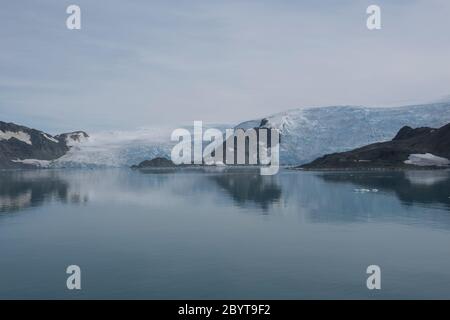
(143, 63)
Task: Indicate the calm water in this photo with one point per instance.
(225, 235)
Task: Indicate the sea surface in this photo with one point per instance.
(230, 234)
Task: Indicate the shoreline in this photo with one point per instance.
(412, 168)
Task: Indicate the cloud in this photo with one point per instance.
(150, 62)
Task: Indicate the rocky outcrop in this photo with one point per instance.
(72, 138)
(155, 163)
(410, 148)
(248, 158)
(23, 147)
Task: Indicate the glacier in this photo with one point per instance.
(306, 134)
(311, 132)
(116, 148)
(122, 148)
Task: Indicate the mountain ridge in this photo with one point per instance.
(22, 147)
(306, 134)
(410, 148)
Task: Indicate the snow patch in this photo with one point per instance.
(50, 138)
(20, 135)
(76, 138)
(34, 162)
(427, 159)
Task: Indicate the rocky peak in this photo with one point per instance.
(73, 137)
(407, 132)
(23, 147)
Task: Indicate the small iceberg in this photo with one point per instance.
(365, 190)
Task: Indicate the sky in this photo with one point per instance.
(144, 63)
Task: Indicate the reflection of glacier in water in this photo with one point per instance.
(307, 192)
(232, 234)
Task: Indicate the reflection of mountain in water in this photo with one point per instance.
(23, 189)
(410, 187)
(250, 186)
(409, 198)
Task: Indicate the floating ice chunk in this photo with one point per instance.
(365, 190)
(19, 135)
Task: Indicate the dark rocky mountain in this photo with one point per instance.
(23, 147)
(425, 147)
(72, 137)
(248, 159)
(155, 163)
